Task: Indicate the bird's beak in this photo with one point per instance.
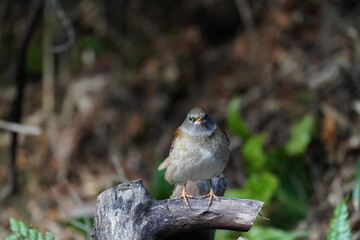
(199, 119)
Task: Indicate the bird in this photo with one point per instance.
(199, 151)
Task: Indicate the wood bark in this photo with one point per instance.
(128, 211)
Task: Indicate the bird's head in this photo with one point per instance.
(198, 123)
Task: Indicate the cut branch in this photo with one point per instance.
(129, 212)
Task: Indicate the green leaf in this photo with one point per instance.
(259, 186)
(339, 225)
(14, 236)
(33, 233)
(300, 135)
(254, 154)
(23, 229)
(234, 120)
(356, 190)
(269, 233)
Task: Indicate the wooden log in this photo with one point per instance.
(129, 212)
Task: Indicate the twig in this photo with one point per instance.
(21, 80)
(20, 128)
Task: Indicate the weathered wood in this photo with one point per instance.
(129, 212)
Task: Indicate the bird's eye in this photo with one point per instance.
(191, 119)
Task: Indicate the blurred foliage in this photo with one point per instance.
(234, 120)
(253, 153)
(20, 231)
(261, 233)
(300, 135)
(225, 235)
(84, 225)
(340, 226)
(258, 186)
(269, 233)
(275, 176)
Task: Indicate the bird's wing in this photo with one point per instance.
(177, 134)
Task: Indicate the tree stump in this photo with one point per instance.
(128, 212)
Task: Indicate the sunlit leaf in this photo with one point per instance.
(14, 225)
(234, 120)
(23, 229)
(259, 186)
(300, 135)
(254, 154)
(269, 233)
(49, 236)
(34, 234)
(339, 225)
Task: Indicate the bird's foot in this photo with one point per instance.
(185, 196)
(212, 195)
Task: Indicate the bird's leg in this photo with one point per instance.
(184, 195)
(211, 194)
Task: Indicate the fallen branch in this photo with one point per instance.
(129, 212)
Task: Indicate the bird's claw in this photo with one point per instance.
(185, 196)
(212, 195)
